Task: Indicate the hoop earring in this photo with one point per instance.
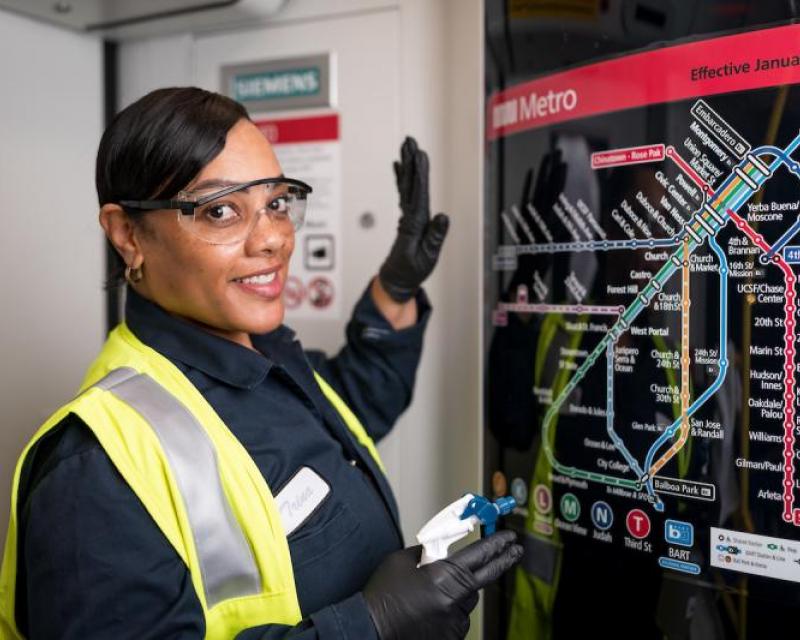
(132, 276)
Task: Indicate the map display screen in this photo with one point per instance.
(642, 257)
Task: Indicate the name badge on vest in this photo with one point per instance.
(300, 498)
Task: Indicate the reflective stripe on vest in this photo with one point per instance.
(226, 563)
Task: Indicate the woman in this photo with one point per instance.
(211, 480)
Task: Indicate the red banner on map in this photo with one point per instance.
(752, 60)
(318, 128)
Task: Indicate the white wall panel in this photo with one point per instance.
(154, 63)
(51, 251)
(365, 48)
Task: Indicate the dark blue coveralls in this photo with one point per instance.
(93, 564)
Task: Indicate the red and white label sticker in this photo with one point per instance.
(293, 293)
(320, 292)
(321, 128)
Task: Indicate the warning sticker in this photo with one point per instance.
(293, 293)
(758, 555)
(308, 147)
(320, 292)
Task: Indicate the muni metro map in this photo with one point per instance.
(655, 252)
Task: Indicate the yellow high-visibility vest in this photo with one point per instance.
(193, 477)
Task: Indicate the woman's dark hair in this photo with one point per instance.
(156, 146)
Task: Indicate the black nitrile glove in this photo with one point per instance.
(419, 239)
(434, 601)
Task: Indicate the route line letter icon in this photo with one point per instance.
(570, 507)
(638, 524)
(602, 515)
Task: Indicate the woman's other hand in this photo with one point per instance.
(433, 602)
(419, 238)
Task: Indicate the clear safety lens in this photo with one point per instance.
(230, 218)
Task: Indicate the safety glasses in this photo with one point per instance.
(228, 215)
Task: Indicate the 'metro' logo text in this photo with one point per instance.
(533, 106)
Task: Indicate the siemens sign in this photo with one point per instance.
(288, 83)
(277, 84)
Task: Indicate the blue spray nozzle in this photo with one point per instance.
(488, 512)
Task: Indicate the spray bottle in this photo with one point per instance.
(458, 520)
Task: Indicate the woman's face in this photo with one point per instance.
(202, 282)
